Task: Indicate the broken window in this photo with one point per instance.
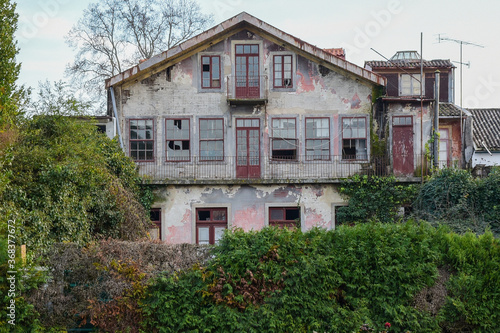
(141, 139)
(178, 141)
(317, 139)
(284, 139)
(211, 140)
(354, 139)
(409, 85)
(210, 71)
(210, 225)
(282, 71)
(284, 217)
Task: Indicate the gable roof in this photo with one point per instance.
(231, 26)
(486, 128)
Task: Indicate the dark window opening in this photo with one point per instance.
(203, 215)
(155, 217)
(101, 128)
(284, 217)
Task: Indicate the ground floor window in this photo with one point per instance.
(284, 217)
(155, 217)
(210, 225)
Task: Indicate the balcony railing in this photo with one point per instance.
(247, 89)
(264, 170)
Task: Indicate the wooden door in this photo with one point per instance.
(402, 145)
(247, 148)
(247, 71)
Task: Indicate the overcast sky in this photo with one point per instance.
(357, 25)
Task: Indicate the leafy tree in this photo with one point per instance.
(115, 34)
(67, 181)
(10, 94)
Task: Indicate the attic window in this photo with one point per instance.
(282, 71)
(210, 71)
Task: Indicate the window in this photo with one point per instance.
(409, 85)
(354, 139)
(282, 71)
(141, 139)
(210, 72)
(178, 143)
(155, 217)
(284, 139)
(210, 225)
(211, 140)
(284, 217)
(317, 139)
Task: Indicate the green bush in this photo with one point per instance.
(373, 197)
(288, 281)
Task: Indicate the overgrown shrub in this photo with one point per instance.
(288, 281)
(104, 281)
(454, 198)
(373, 197)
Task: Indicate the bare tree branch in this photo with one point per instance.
(115, 34)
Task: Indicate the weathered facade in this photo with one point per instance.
(244, 126)
(405, 113)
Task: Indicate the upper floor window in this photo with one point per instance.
(284, 139)
(282, 71)
(211, 140)
(210, 224)
(178, 142)
(317, 139)
(409, 85)
(141, 140)
(354, 138)
(210, 71)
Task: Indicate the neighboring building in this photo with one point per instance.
(245, 126)
(451, 154)
(486, 137)
(406, 121)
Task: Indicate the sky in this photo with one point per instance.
(359, 26)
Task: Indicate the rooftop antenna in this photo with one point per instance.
(461, 42)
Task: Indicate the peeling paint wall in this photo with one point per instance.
(247, 206)
(175, 92)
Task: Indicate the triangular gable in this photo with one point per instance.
(231, 26)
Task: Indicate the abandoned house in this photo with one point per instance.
(247, 126)
(406, 120)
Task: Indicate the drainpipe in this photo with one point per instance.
(113, 102)
(436, 119)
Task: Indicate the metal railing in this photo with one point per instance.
(247, 87)
(263, 168)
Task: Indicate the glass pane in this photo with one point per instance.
(275, 214)
(219, 232)
(277, 60)
(239, 122)
(219, 215)
(239, 48)
(255, 49)
(203, 235)
(246, 48)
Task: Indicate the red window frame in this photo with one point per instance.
(133, 155)
(155, 217)
(284, 222)
(352, 141)
(211, 223)
(313, 140)
(180, 140)
(280, 67)
(204, 157)
(293, 157)
(214, 79)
